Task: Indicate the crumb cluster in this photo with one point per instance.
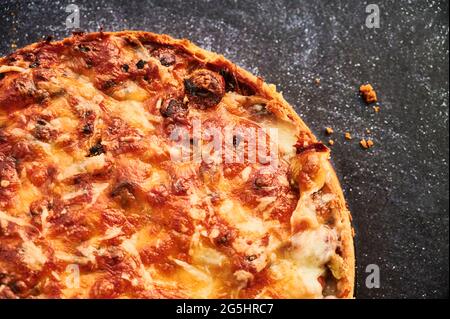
(368, 93)
(366, 143)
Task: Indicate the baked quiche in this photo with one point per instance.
(135, 165)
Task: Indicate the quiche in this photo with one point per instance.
(135, 165)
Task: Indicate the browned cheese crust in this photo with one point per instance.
(93, 205)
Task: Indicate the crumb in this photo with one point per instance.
(368, 131)
(4, 183)
(368, 93)
(366, 143)
(329, 130)
(13, 46)
(348, 136)
(317, 81)
(331, 142)
(363, 143)
(376, 108)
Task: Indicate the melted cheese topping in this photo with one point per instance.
(33, 256)
(102, 211)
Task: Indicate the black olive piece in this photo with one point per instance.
(87, 128)
(108, 84)
(125, 67)
(140, 64)
(96, 150)
(41, 122)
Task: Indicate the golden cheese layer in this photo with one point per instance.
(93, 204)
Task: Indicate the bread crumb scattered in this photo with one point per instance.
(13, 46)
(368, 131)
(348, 136)
(368, 93)
(331, 142)
(366, 143)
(376, 108)
(317, 81)
(329, 130)
(363, 143)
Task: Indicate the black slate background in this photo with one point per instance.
(398, 190)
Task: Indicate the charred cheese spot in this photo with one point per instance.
(96, 149)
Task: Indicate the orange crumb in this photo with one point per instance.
(367, 131)
(13, 45)
(376, 108)
(329, 130)
(368, 93)
(317, 81)
(363, 143)
(366, 143)
(348, 136)
(331, 142)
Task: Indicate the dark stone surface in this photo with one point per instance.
(398, 190)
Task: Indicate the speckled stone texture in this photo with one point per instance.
(397, 190)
